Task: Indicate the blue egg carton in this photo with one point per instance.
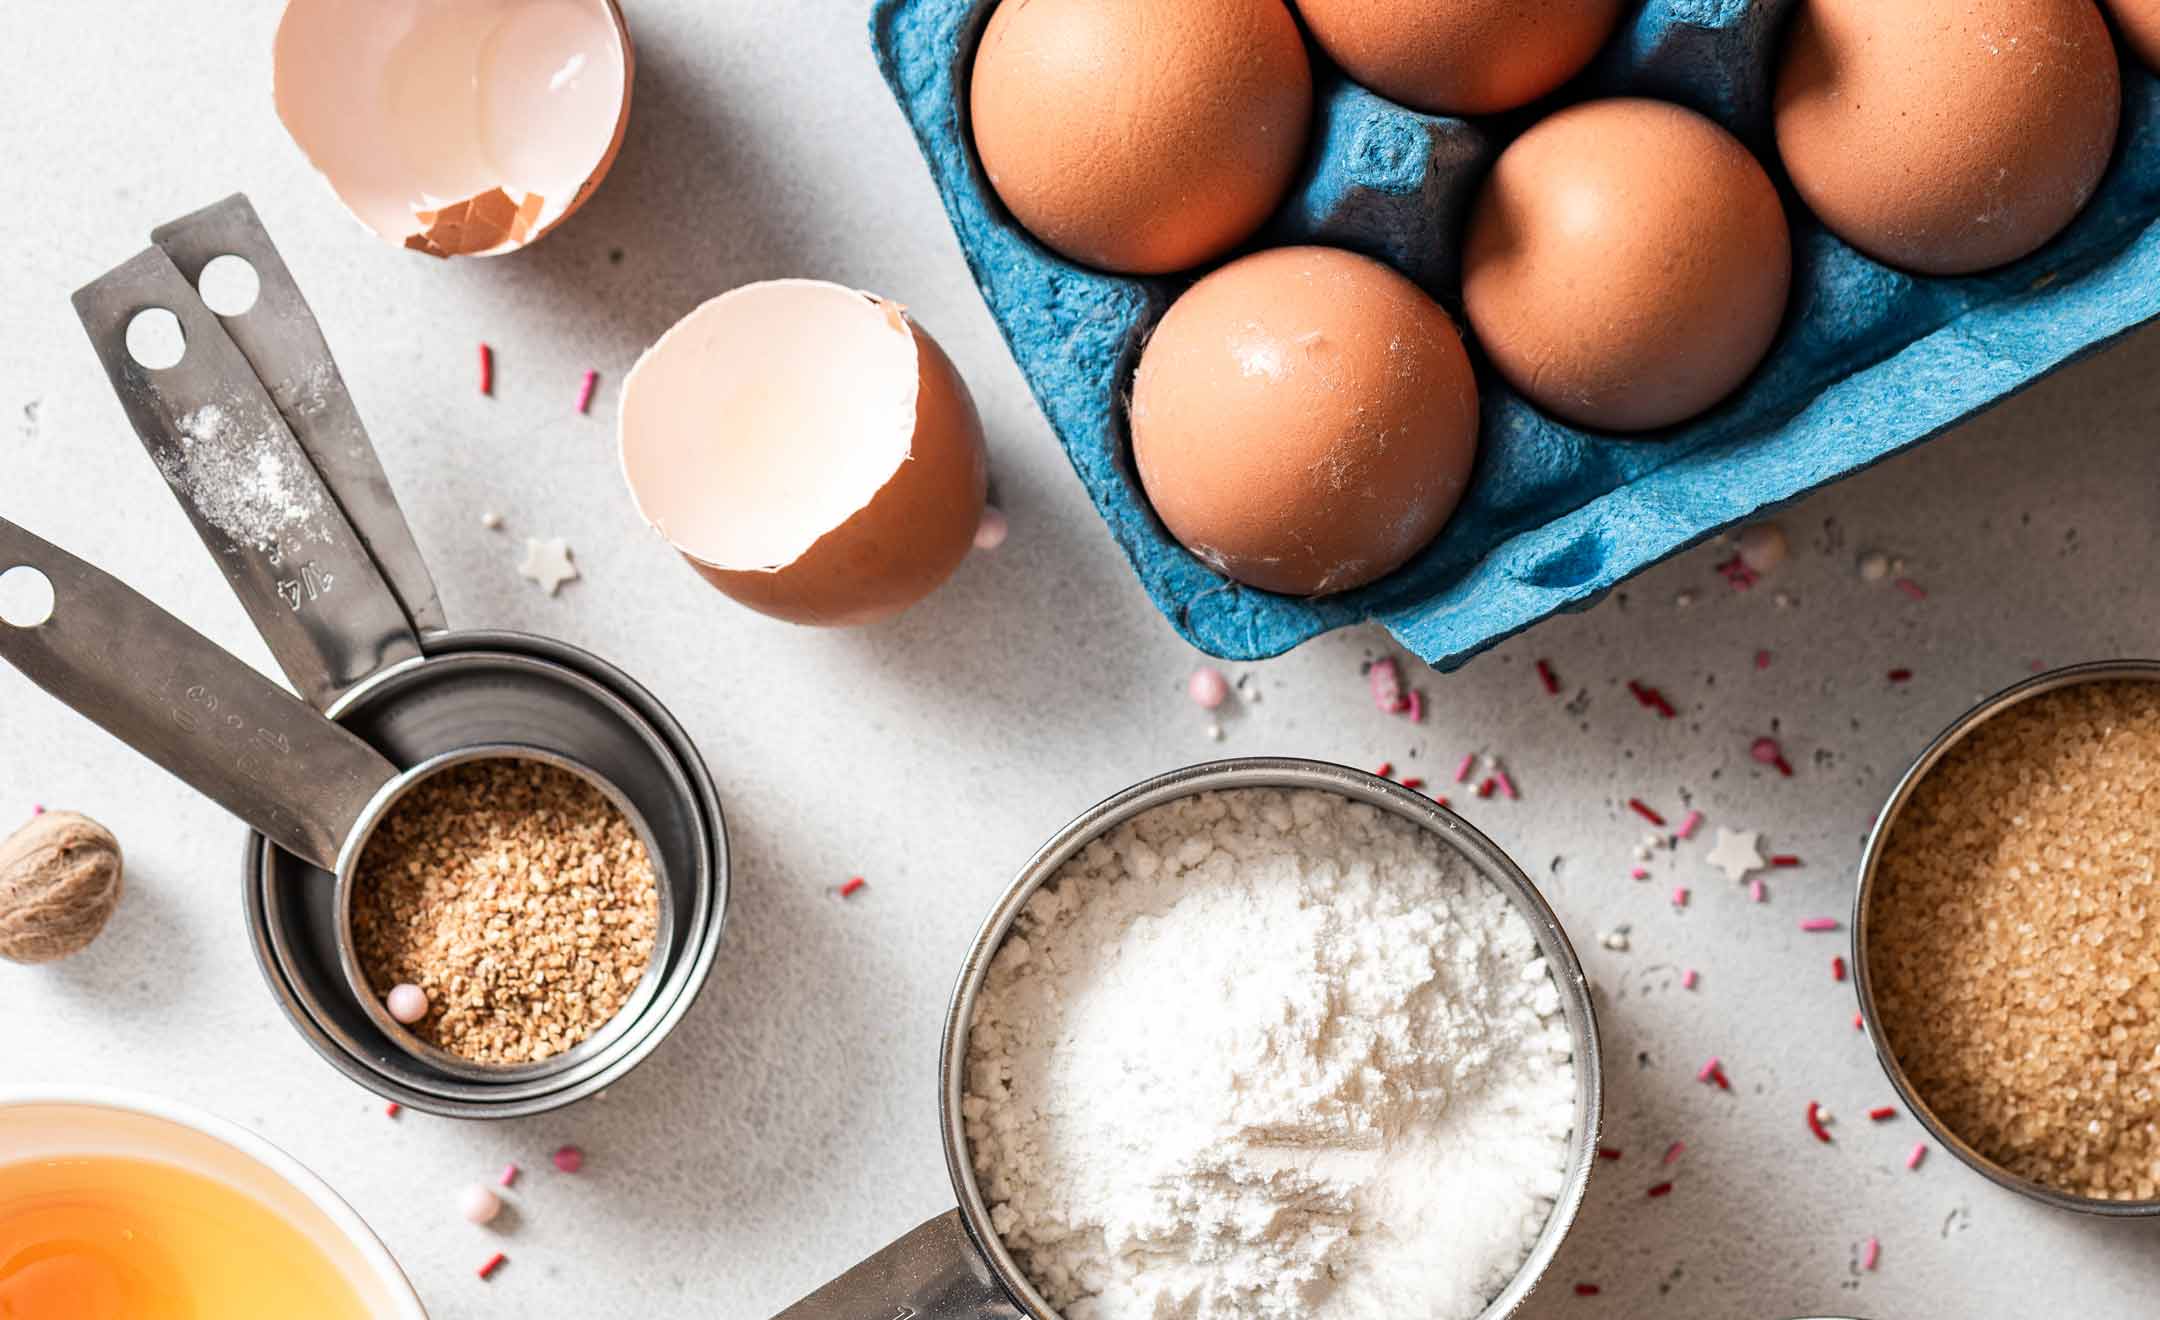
(1870, 360)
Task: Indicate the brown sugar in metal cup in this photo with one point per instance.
(2004, 863)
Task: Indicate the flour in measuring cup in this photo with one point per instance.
(1269, 1053)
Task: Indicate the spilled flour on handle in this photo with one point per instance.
(241, 479)
(1269, 1053)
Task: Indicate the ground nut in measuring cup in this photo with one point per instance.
(1262, 1038)
(253, 430)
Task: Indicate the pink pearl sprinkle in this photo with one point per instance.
(1680, 896)
(407, 1003)
(1767, 751)
(569, 1159)
(1208, 688)
(478, 1204)
(1687, 982)
(990, 533)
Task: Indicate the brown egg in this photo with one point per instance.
(1627, 264)
(1142, 136)
(1461, 57)
(1947, 136)
(1304, 420)
(809, 449)
(2140, 24)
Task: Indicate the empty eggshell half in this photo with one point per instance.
(465, 129)
(809, 449)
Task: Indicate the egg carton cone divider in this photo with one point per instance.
(258, 438)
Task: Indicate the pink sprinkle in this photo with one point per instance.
(1387, 689)
(1690, 825)
(1416, 712)
(1208, 688)
(1639, 873)
(393, 1109)
(1919, 1153)
(1871, 1254)
(1674, 1152)
(1689, 978)
(1762, 659)
(1462, 772)
(1680, 896)
(585, 391)
(509, 1176)
(487, 369)
(1768, 752)
(1710, 1070)
(1820, 925)
(1755, 891)
(1910, 588)
(1507, 785)
(569, 1159)
(38, 809)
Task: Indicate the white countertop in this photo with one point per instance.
(789, 1125)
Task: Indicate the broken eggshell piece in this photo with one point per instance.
(456, 127)
(809, 449)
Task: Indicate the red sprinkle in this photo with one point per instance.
(1717, 1075)
(854, 884)
(585, 391)
(1642, 809)
(1413, 782)
(1859, 1022)
(1674, 1152)
(569, 1159)
(1652, 698)
(1586, 1290)
(393, 1109)
(1911, 588)
(1767, 751)
(1884, 1114)
(1608, 1153)
(1662, 1189)
(1548, 677)
(1485, 789)
(1786, 860)
(1901, 675)
(1762, 659)
(487, 369)
(1815, 1123)
(494, 1263)
(1837, 969)
(1386, 770)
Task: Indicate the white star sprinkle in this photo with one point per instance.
(1737, 854)
(548, 563)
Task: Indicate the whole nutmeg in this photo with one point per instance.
(59, 880)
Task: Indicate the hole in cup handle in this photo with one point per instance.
(934, 1273)
(27, 598)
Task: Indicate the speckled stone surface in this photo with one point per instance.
(1869, 363)
(788, 1128)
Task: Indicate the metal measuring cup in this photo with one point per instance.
(334, 582)
(955, 1267)
(1863, 903)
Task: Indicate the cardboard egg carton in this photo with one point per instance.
(1870, 361)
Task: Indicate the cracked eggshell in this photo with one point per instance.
(465, 129)
(1305, 420)
(809, 449)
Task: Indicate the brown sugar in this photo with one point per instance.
(518, 897)
(2014, 939)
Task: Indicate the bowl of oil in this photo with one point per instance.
(125, 1207)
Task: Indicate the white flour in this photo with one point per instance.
(1269, 1054)
(240, 479)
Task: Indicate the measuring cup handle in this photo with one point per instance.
(935, 1273)
(181, 700)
